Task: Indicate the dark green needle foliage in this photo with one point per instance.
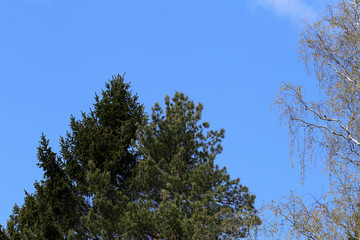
(54, 210)
(182, 193)
(3, 235)
(99, 158)
(12, 224)
(104, 135)
(119, 177)
(98, 143)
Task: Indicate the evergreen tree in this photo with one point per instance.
(12, 230)
(65, 201)
(104, 136)
(117, 177)
(106, 218)
(99, 158)
(182, 193)
(3, 235)
(54, 210)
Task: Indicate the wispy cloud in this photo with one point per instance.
(295, 9)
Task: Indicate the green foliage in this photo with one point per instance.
(103, 136)
(99, 158)
(60, 206)
(54, 209)
(119, 177)
(105, 219)
(182, 194)
(3, 235)
(12, 224)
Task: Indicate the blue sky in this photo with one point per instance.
(230, 55)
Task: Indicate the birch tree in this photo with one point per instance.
(327, 129)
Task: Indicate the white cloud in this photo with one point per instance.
(296, 9)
